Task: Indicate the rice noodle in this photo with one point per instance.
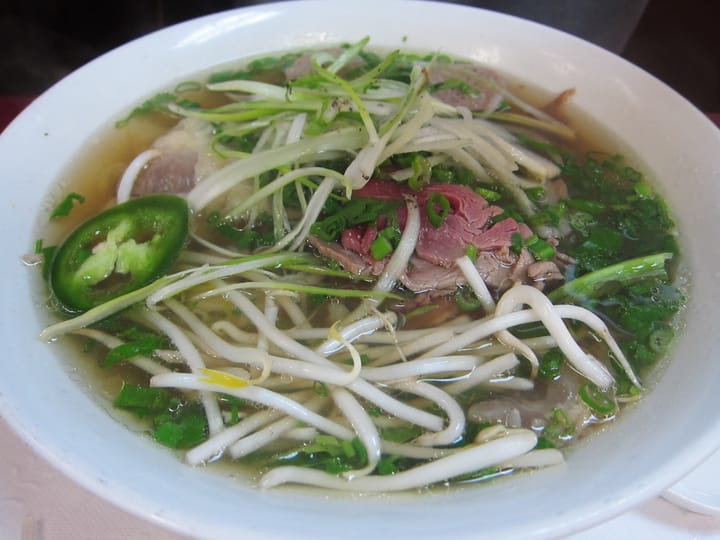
(509, 383)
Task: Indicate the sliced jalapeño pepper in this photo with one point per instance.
(118, 251)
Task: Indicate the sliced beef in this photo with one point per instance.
(422, 275)
(479, 88)
(426, 310)
(303, 67)
(170, 172)
(359, 239)
(350, 260)
(544, 273)
(500, 270)
(559, 190)
(432, 268)
(185, 159)
(467, 223)
(383, 190)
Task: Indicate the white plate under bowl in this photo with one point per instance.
(649, 449)
(699, 491)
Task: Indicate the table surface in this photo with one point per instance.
(37, 502)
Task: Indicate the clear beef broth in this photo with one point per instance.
(95, 175)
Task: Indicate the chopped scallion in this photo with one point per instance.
(516, 243)
(541, 250)
(600, 402)
(550, 364)
(488, 194)
(472, 252)
(536, 193)
(380, 248)
(660, 338)
(466, 299)
(437, 208)
(559, 427)
(421, 171)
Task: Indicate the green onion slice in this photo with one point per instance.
(437, 208)
(421, 172)
(466, 299)
(599, 401)
(380, 248)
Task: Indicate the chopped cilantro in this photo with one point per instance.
(66, 205)
(143, 345)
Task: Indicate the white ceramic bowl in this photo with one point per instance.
(655, 443)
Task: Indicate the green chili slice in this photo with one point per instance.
(118, 251)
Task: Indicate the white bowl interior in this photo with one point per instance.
(652, 446)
